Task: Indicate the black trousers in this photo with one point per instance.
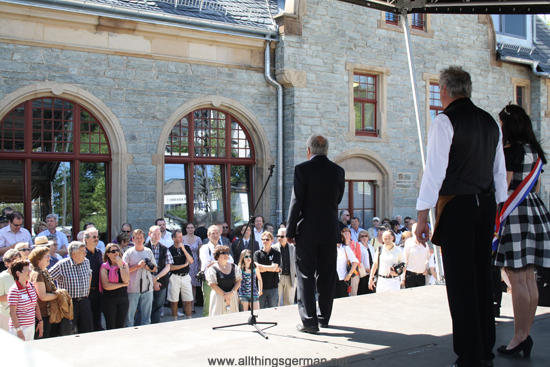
(414, 280)
(315, 269)
(115, 310)
(54, 330)
(364, 286)
(82, 316)
(95, 304)
(467, 264)
(341, 289)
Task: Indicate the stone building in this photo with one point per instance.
(118, 111)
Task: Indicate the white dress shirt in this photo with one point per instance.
(206, 255)
(61, 238)
(8, 237)
(258, 237)
(355, 233)
(365, 260)
(416, 256)
(440, 139)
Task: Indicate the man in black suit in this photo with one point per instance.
(248, 243)
(313, 224)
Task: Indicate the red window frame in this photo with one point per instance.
(225, 161)
(392, 18)
(435, 97)
(365, 101)
(31, 141)
(418, 21)
(349, 184)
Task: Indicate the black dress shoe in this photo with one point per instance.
(486, 363)
(307, 329)
(324, 326)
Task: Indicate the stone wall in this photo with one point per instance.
(142, 93)
(336, 33)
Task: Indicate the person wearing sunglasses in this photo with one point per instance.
(6, 281)
(287, 276)
(95, 256)
(115, 277)
(225, 279)
(12, 234)
(24, 249)
(269, 262)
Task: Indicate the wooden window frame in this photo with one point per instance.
(382, 74)
(225, 162)
(350, 183)
(526, 85)
(418, 21)
(369, 101)
(388, 18)
(425, 31)
(75, 158)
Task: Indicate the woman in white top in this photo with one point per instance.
(344, 253)
(367, 259)
(385, 258)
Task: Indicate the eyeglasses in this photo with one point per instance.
(280, 236)
(127, 231)
(95, 236)
(114, 251)
(266, 239)
(24, 249)
(247, 256)
(17, 225)
(225, 226)
(364, 236)
(224, 253)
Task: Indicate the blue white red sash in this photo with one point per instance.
(519, 194)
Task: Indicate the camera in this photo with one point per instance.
(398, 268)
(149, 263)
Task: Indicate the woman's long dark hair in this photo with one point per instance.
(517, 128)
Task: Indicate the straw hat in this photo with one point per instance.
(42, 241)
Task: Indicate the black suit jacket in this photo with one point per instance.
(313, 213)
(238, 249)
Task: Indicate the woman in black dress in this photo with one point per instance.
(114, 278)
(525, 239)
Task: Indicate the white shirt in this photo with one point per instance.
(258, 237)
(8, 238)
(389, 259)
(416, 256)
(355, 233)
(365, 256)
(61, 238)
(342, 261)
(166, 240)
(432, 264)
(206, 255)
(440, 139)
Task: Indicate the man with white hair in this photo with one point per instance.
(373, 231)
(95, 256)
(61, 239)
(287, 276)
(74, 274)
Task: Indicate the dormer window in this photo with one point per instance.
(513, 25)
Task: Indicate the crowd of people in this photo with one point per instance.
(73, 285)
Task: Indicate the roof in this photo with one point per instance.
(457, 6)
(250, 13)
(538, 55)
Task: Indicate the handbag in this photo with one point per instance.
(348, 267)
(200, 275)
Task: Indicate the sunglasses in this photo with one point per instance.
(266, 239)
(225, 226)
(127, 231)
(224, 253)
(363, 236)
(280, 236)
(24, 249)
(247, 256)
(114, 251)
(17, 225)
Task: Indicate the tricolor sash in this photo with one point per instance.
(519, 194)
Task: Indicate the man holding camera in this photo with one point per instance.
(164, 259)
(141, 261)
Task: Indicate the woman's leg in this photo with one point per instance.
(256, 305)
(109, 309)
(533, 294)
(245, 305)
(521, 303)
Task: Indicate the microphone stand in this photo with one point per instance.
(252, 319)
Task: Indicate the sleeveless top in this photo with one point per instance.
(226, 281)
(119, 292)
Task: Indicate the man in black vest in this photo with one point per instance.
(313, 222)
(466, 176)
(164, 259)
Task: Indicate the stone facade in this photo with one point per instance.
(147, 92)
(335, 34)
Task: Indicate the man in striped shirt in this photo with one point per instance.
(75, 275)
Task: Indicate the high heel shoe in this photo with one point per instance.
(525, 347)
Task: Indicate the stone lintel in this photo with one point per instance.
(289, 24)
(291, 78)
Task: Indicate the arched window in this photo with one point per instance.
(209, 158)
(55, 158)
